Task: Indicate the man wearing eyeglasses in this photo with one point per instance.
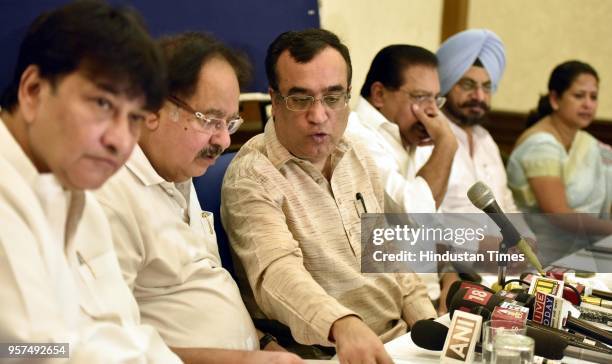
(471, 64)
(291, 203)
(165, 243)
(398, 111)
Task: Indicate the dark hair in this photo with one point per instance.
(303, 46)
(391, 61)
(186, 53)
(103, 41)
(560, 80)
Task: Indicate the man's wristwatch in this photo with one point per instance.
(265, 340)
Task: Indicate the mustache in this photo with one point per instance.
(211, 151)
(475, 103)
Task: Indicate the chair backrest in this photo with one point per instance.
(208, 189)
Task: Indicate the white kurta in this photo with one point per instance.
(168, 253)
(59, 276)
(484, 165)
(404, 190)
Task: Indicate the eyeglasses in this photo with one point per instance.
(205, 123)
(421, 99)
(336, 101)
(469, 85)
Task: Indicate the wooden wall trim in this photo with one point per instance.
(505, 128)
(454, 17)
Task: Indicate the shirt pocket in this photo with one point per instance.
(206, 247)
(103, 293)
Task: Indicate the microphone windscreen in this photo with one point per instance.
(456, 285)
(467, 298)
(480, 195)
(429, 334)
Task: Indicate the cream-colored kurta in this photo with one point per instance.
(298, 236)
(168, 253)
(59, 276)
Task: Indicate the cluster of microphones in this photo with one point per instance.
(558, 326)
(563, 317)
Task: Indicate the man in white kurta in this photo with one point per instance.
(168, 253)
(165, 243)
(65, 127)
(398, 111)
(471, 64)
(401, 78)
(59, 277)
(405, 190)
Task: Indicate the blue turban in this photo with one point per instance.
(459, 52)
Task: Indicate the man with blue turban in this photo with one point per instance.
(470, 65)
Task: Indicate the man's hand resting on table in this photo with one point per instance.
(357, 343)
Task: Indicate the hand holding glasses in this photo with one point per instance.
(205, 123)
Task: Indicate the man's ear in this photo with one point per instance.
(29, 93)
(377, 94)
(273, 100)
(151, 121)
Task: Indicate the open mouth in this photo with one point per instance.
(319, 137)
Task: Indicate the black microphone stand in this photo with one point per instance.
(502, 264)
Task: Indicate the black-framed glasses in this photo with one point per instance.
(333, 101)
(469, 85)
(206, 123)
(421, 99)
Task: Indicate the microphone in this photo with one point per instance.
(431, 335)
(573, 339)
(481, 196)
(484, 303)
(587, 329)
(456, 285)
(602, 294)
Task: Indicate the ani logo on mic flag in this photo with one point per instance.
(461, 339)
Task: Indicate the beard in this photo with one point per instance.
(462, 115)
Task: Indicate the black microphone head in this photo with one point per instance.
(480, 195)
(429, 334)
(462, 302)
(456, 285)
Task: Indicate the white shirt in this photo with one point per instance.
(404, 190)
(168, 253)
(484, 165)
(59, 276)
